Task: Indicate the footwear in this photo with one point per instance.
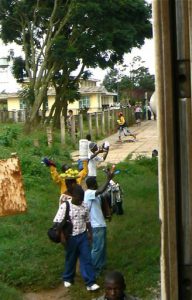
(67, 284)
(93, 287)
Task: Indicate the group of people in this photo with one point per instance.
(143, 113)
(88, 239)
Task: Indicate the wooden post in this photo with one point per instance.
(113, 120)
(90, 123)
(173, 18)
(96, 124)
(24, 115)
(81, 125)
(49, 137)
(108, 121)
(16, 116)
(36, 143)
(62, 124)
(12, 116)
(103, 123)
(73, 128)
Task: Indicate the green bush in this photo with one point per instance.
(7, 136)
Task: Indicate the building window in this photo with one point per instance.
(84, 102)
(3, 105)
(22, 104)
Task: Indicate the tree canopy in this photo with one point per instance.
(138, 78)
(60, 36)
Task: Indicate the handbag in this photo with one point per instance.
(60, 232)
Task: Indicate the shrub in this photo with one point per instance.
(7, 136)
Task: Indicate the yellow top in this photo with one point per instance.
(121, 120)
(61, 180)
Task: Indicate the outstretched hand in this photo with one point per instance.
(111, 172)
(100, 150)
(48, 162)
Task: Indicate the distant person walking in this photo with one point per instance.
(148, 112)
(69, 121)
(72, 124)
(138, 114)
(123, 129)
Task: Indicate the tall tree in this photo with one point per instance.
(138, 78)
(61, 35)
(111, 80)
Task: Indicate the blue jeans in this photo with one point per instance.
(98, 252)
(78, 247)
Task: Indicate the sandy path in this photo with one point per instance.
(58, 293)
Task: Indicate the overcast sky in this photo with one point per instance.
(146, 53)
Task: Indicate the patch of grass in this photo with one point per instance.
(29, 261)
(134, 238)
(9, 293)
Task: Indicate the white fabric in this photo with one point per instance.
(92, 165)
(94, 206)
(63, 198)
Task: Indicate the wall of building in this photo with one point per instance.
(13, 103)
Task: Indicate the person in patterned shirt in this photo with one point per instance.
(78, 244)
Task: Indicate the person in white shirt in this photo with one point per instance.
(95, 159)
(93, 201)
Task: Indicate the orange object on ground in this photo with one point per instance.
(12, 196)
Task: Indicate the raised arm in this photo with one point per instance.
(83, 173)
(101, 189)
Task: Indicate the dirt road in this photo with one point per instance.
(146, 142)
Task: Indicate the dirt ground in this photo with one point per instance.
(58, 293)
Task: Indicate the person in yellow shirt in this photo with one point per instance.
(59, 178)
(123, 127)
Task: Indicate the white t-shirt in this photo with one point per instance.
(94, 206)
(92, 165)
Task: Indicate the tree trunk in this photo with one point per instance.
(56, 118)
(51, 113)
(40, 96)
(61, 105)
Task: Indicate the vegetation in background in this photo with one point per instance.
(138, 78)
(59, 37)
(29, 261)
